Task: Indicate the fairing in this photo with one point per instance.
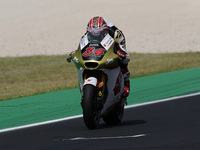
(99, 57)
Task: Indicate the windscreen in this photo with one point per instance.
(94, 50)
(96, 36)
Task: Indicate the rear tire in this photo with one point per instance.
(90, 114)
(116, 115)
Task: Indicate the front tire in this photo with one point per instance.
(90, 114)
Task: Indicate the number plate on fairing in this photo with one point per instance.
(93, 53)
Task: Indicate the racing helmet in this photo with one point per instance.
(97, 25)
(97, 29)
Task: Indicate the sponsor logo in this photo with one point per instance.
(75, 59)
(107, 41)
(109, 61)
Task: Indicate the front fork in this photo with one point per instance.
(100, 84)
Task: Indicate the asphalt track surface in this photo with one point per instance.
(162, 126)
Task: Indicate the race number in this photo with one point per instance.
(91, 51)
(88, 51)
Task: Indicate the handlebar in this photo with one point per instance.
(69, 59)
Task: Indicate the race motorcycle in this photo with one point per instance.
(100, 79)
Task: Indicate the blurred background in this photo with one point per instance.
(51, 27)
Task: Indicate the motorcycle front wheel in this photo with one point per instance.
(91, 115)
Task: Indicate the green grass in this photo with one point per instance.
(23, 76)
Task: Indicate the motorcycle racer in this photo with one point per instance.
(101, 61)
(98, 26)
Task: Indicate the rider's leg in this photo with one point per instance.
(126, 75)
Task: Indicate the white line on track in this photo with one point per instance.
(79, 116)
(162, 100)
(105, 138)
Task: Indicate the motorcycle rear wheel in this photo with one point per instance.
(91, 115)
(116, 115)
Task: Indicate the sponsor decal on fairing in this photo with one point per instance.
(84, 41)
(107, 41)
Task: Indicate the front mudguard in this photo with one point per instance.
(91, 81)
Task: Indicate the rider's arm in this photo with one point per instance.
(121, 46)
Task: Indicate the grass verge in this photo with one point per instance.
(23, 76)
